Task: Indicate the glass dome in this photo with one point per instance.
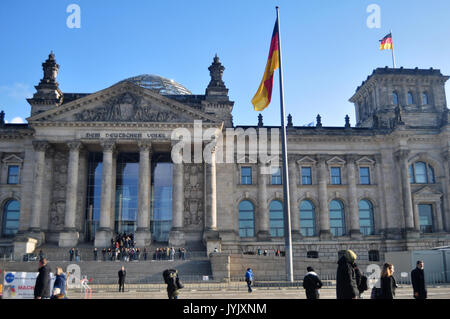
(159, 84)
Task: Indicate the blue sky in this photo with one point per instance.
(328, 49)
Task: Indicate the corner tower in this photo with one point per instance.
(394, 97)
(47, 94)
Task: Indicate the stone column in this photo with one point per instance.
(104, 232)
(263, 210)
(211, 199)
(355, 231)
(382, 204)
(446, 188)
(412, 230)
(143, 235)
(324, 216)
(176, 236)
(70, 236)
(40, 148)
(293, 198)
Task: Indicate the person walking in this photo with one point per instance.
(42, 285)
(346, 285)
(173, 283)
(418, 281)
(249, 279)
(312, 284)
(387, 282)
(122, 275)
(60, 281)
(95, 253)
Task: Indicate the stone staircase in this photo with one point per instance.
(192, 269)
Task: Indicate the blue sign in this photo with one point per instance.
(9, 278)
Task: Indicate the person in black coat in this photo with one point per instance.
(346, 285)
(387, 281)
(122, 275)
(418, 281)
(42, 285)
(312, 284)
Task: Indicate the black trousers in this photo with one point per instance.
(122, 286)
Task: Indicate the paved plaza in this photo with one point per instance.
(441, 292)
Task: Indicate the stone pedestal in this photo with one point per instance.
(355, 234)
(68, 238)
(143, 238)
(176, 238)
(263, 235)
(24, 245)
(212, 241)
(412, 234)
(325, 235)
(103, 238)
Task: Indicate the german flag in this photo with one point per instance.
(262, 97)
(386, 43)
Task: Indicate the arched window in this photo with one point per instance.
(246, 219)
(11, 215)
(337, 218)
(366, 223)
(307, 218)
(410, 98)
(276, 219)
(421, 173)
(424, 98)
(394, 98)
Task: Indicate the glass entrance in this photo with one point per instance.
(161, 198)
(127, 181)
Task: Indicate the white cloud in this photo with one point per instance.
(17, 120)
(17, 91)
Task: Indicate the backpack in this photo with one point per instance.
(363, 284)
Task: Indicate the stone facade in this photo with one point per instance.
(395, 160)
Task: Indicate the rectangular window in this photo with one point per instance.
(336, 175)
(13, 174)
(246, 175)
(276, 175)
(426, 218)
(306, 176)
(364, 175)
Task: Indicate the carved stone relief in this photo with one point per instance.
(193, 190)
(128, 107)
(58, 203)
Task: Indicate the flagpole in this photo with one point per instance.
(393, 55)
(285, 181)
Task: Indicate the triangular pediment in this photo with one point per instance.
(365, 161)
(427, 192)
(306, 160)
(124, 102)
(336, 160)
(12, 159)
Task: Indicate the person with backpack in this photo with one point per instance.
(312, 284)
(361, 281)
(249, 279)
(173, 283)
(346, 286)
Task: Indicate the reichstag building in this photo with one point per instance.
(89, 165)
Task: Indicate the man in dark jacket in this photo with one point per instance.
(42, 285)
(418, 281)
(122, 275)
(173, 283)
(312, 284)
(346, 285)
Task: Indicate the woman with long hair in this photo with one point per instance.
(388, 284)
